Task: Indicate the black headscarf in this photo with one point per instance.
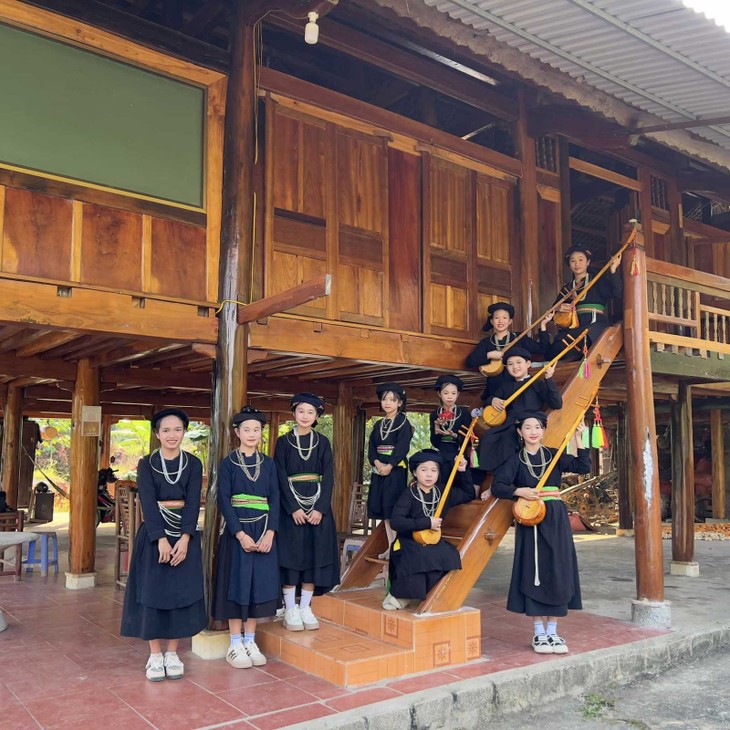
(424, 455)
(517, 352)
(522, 416)
(311, 399)
(449, 380)
(578, 248)
(492, 308)
(384, 388)
(248, 414)
(179, 412)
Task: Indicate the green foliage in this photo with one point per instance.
(54, 456)
(593, 705)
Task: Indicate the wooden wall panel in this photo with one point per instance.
(111, 248)
(493, 224)
(37, 235)
(404, 275)
(178, 259)
(551, 251)
(449, 210)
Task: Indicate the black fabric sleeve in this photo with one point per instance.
(191, 510)
(287, 498)
(552, 396)
(372, 446)
(478, 356)
(225, 491)
(148, 497)
(324, 503)
(462, 490)
(401, 521)
(580, 464)
(503, 486)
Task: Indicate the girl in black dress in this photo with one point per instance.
(247, 581)
(164, 597)
(388, 447)
(307, 539)
(414, 568)
(545, 582)
(447, 420)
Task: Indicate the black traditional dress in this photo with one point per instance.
(500, 442)
(307, 553)
(415, 569)
(389, 443)
(556, 586)
(478, 357)
(247, 584)
(162, 601)
(449, 445)
(591, 310)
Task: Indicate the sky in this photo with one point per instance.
(717, 10)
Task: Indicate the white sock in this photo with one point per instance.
(552, 628)
(248, 638)
(157, 656)
(539, 628)
(306, 599)
(290, 597)
(235, 639)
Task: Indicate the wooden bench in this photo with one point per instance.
(12, 536)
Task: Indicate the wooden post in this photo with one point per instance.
(625, 503)
(12, 429)
(276, 421)
(717, 437)
(683, 493)
(566, 221)
(342, 431)
(529, 217)
(643, 464)
(84, 465)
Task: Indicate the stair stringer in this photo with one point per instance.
(482, 538)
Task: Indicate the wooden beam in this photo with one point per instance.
(17, 367)
(342, 447)
(643, 469)
(155, 377)
(623, 448)
(47, 342)
(717, 437)
(687, 124)
(320, 286)
(602, 173)
(683, 470)
(84, 465)
(87, 310)
(12, 432)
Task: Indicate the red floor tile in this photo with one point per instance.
(267, 698)
(318, 687)
(291, 717)
(361, 698)
(218, 676)
(16, 717)
(422, 681)
(75, 708)
(282, 670)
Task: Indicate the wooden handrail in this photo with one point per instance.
(687, 278)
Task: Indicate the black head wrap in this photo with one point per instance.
(425, 455)
(384, 388)
(492, 308)
(179, 412)
(248, 414)
(310, 398)
(517, 352)
(449, 380)
(578, 248)
(522, 416)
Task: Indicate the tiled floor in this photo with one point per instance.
(63, 664)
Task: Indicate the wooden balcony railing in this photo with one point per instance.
(689, 310)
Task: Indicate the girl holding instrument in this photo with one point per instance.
(247, 585)
(499, 443)
(590, 311)
(449, 418)
(491, 348)
(414, 568)
(307, 537)
(164, 596)
(545, 582)
(388, 448)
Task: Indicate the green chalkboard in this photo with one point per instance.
(76, 114)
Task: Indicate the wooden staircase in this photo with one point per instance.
(478, 527)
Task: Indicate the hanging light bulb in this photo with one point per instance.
(311, 29)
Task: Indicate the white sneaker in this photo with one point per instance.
(308, 619)
(255, 655)
(293, 620)
(238, 657)
(155, 669)
(174, 668)
(391, 603)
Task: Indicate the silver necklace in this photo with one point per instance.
(304, 453)
(427, 505)
(497, 341)
(447, 424)
(181, 466)
(240, 461)
(545, 459)
(387, 426)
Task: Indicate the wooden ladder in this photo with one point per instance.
(478, 527)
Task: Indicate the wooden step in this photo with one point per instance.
(359, 642)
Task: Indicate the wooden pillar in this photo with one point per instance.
(12, 430)
(566, 221)
(529, 217)
(106, 432)
(718, 465)
(683, 469)
(358, 444)
(342, 430)
(677, 245)
(643, 461)
(84, 466)
(274, 424)
(647, 215)
(625, 502)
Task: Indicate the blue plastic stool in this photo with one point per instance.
(42, 560)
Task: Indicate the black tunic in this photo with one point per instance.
(478, 357)
(247, 584)
(500, 442)
(162, 601)
(559, 588)
(607, 288)
(449, 445)
(415, 569)
(393, 449)
(307, 553)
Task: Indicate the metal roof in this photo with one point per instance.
(655, 55)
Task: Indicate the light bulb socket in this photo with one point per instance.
(311, 29)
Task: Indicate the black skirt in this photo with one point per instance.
(415, 569)
(384, 492)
